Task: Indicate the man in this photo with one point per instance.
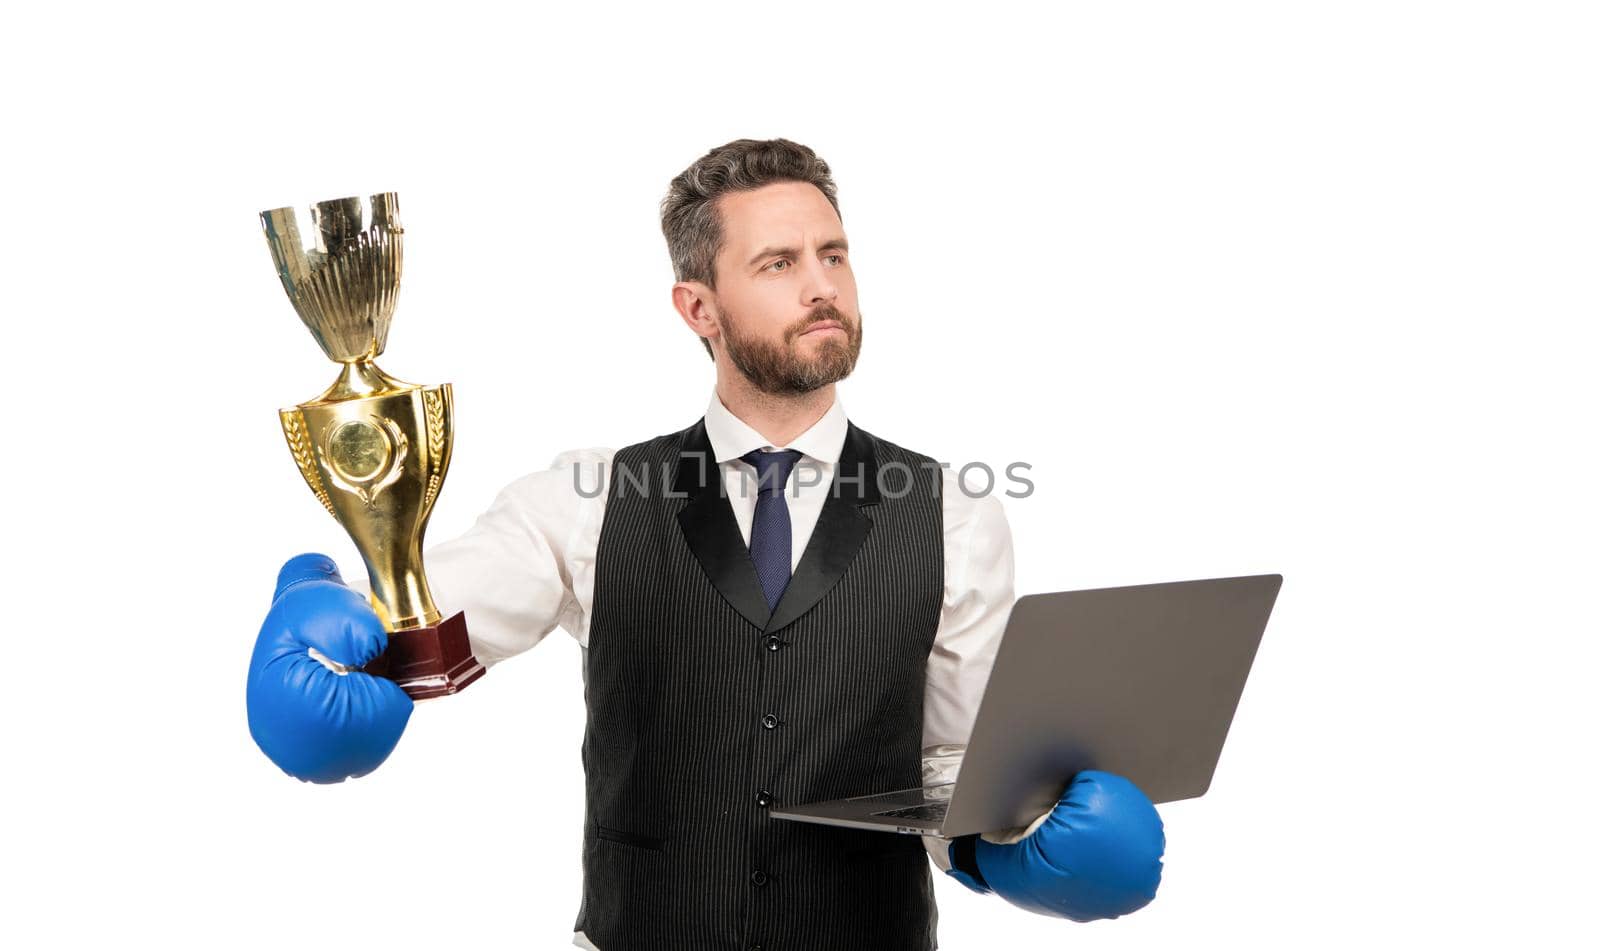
(775, 606)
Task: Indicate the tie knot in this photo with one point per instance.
(772, 468)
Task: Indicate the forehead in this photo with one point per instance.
(788, 213)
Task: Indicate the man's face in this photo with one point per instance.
(786, 297)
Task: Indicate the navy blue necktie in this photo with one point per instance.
(771, 543)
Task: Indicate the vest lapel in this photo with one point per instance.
(713, 534)
(841, 528)
(711, 530)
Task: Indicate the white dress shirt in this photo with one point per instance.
(527, 565)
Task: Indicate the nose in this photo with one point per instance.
(819, 286)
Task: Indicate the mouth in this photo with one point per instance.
(823, 326)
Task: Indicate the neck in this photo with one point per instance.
(779, 419)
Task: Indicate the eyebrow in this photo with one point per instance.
(835, 244)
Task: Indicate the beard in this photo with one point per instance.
(779, 369)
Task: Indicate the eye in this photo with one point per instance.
(774, 265)
(839, 258)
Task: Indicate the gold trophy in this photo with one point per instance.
(373, 449)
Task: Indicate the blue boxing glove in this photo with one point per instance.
(1097, 855)
(316, 723)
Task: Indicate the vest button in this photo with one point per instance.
(763, 799)
(770, 721)
(758, 878)
(773, 643)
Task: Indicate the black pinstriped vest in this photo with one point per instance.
(703, 710)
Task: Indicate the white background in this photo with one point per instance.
(1253, 287)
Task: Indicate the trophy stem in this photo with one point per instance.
(400, 594)
(359, 379)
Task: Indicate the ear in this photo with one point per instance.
(696, 304)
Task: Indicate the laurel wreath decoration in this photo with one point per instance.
(294, 429)
(433, 406)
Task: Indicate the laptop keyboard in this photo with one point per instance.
(933, 812)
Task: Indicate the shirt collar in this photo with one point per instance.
(731, 437)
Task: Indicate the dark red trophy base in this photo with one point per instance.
(429, 661)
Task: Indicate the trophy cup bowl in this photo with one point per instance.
(373, 449)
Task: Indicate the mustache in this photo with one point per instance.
(822, 313)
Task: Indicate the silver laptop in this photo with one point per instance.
(1139, 681)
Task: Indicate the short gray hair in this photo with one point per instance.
(689, 216)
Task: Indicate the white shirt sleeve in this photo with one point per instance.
(518, 570)
(979, 586)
